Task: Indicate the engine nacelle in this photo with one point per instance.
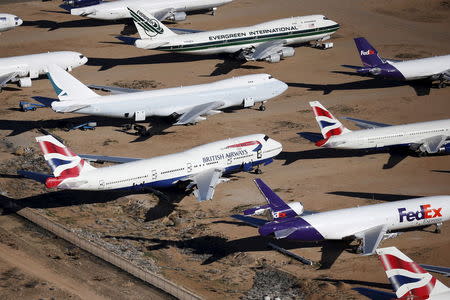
(24, 82)
(274, 58)
(287, 51)
(297, 207)
(177, 16)
(445, 148)
(82, 3)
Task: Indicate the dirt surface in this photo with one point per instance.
(198, 244)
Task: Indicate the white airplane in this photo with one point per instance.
(172, 10)
(200, 167)
(187, 104)
(265, 41)
(409, 280)
(425, 137)
(8, 22)
(22, 69)
(368, 224)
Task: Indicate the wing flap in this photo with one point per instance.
(192, 114)
(366, 124)
(266, 49)
(206, 182)
(371, 238)
(4, 78)
(113, 159)
(432, 144)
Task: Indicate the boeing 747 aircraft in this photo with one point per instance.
(409, 280)
(266, 41)
(430, 68)
(186, 105)
(200, 167)
(424, 138)
(172, 10)
(21, 69)
(368, 224)
(8, 22)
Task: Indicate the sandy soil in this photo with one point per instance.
(222, 259)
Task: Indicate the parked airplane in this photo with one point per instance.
(200, 167)
(430, 68)
(185, 105)
(368, 224)
(424, 138)
(22, 69)
(172, 10)
(408, 279)
(265, 41)
(8, 22)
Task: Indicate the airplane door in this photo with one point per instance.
(154, 175)
(189, 167)
(101, 184)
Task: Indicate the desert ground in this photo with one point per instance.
(198, 244)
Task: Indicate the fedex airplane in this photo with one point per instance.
(200, 167)
(172, 10)
(186, 105)
(409, 280)
(266, 41)
(430, 68)
(424, 138)
(21, 69)
(8, 22)
(367, 224)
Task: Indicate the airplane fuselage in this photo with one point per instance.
(349, 222)
(390, 136)
(290, 30)
(417, 69)
(115, 10)
(164, 102)
(232, 155)
(8, 22)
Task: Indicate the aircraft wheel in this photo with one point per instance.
(442, 85)
(262, 108)
(258, 171)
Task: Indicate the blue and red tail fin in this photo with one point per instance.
(328, 124)
(408, 279)
(63, 162)
(278, 207)
(367, 53)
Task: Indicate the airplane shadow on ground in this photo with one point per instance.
(421, 88)
(374, 196)
(53, 25)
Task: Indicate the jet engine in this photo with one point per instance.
(82, 3)
(273, 58)
(24, 82)
(445, 148)
(287, 51)
(297, 207)
(177, 16)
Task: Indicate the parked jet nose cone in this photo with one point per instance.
(19, 22)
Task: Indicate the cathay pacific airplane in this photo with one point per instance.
(368, 224)
(186, 105)
(172, 10)
(8, 22)
(200, 167)
(21, 69)
(266, 41)
(424, 138)
(409, 280)
(430, 68)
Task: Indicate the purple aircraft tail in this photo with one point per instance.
(369, 55)
(278, 207)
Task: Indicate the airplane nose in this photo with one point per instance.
(19, 22)
(278, 145)
(283, 86)
(84, 60)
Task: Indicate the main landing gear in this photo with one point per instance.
(262, 107)
(140, 130)
(438, 228)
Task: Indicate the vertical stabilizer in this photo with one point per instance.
(367, 53)
(408, 279)
(147, 25)
(66, 86)
(328, 124)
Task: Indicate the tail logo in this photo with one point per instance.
(151, 27)
(368, 52)
(327, 123)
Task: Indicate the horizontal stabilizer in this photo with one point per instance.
(113, 159)
(113, 89)
(39, 177)
(366, 124)
(185, 31)
(68, 109)
(127, 39)
(252, 221)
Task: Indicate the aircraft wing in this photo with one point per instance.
(371, 238)
(446, 75)
(432, 144)
(162, 14)
(206, 182)
(366, 124)
(195, 112)
(266, 49)
(4, 78)
(114, 159)
(112, 89)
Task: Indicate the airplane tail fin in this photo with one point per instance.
(328, 124)
(408, 279)
(147, 25)
(367, 53)
(66, 86)
(276, 205)
(63, 162)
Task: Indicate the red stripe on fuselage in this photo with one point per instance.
(245, 144)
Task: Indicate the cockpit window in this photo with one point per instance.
(266, 138)
(2, 19)
(81, 56)
(325, 18)
(16, 18)
(270, 76)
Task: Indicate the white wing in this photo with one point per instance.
(371, 238)
(264, 50)
(193, 114)
(206, 182)
(432, 144)
(4, 78)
